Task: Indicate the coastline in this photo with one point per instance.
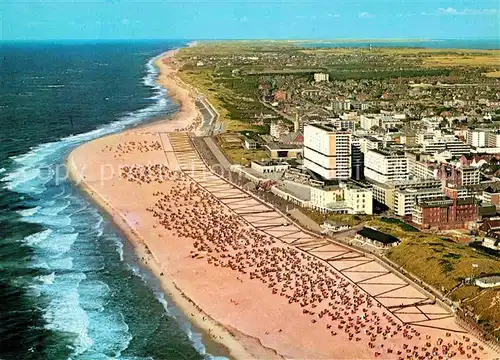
(230, 342)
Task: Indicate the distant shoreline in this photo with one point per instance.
(480, 44)
(441, 44)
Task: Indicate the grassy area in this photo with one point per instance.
(443, 264)
(404, 226)
(232, 146)
(474, 60)
(243, 156)
(440, 262)
(218, 96)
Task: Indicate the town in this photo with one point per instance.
(393, 151)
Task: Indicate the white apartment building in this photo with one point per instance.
(390, 121)
(318, 77)
(385, 193)
(327, 151)
(370, 143)
(405, 199)
(368, 121)
(493, 139)
(344, 124)
(359, 200)
(477, 138)
(470, 176)
(346, 199)
(420, 169)
(454, 146)
(323, 196)
(383, 167)
(424, 137)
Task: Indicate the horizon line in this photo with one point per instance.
(259, 39)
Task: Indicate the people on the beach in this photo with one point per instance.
(224, 240)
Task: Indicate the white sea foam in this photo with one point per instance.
(65, 263)
(47, 279)
(55, 208)
(58, 243)
(38, 237)
(29, 212)
(27, 177)
(64, 312)
(119, 246)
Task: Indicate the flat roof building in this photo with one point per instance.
(405, 199)
(377, 238)
(384, 166)
(327, 151)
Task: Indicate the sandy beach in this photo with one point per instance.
(252, 281)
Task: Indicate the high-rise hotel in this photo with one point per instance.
(327, 151)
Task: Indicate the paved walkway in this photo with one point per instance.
(221, 158)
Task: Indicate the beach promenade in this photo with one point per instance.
(242, 271)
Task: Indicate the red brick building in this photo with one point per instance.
(282, 95)
(445, 213)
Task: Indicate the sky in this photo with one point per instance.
(248, 19)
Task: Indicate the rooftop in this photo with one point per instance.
(491, 190)
(388, 153)
(270, 162)
(377, 236)
(466, 201)
(490, 279)
(329, 128)
(441, 202)
(420, 191)
(280, 146)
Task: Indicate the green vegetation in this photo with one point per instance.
(444, 264)
(404, 226)
(387, 74)
(232, 146)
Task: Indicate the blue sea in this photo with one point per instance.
(70, 287)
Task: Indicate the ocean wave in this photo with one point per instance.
(38, 237)
(65, 263)
(67, 250)
(33, 170)
(47, 279)
(58, 244)
(64, 312)
(29, 212)
(56, 208)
